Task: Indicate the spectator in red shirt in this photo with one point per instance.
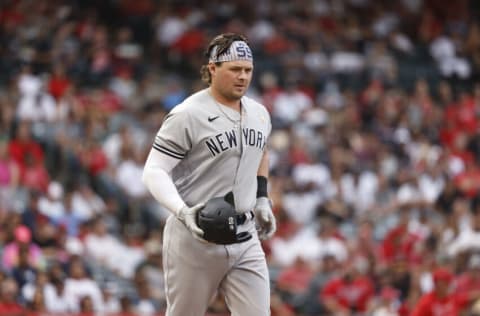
(399, 242)
(8, 294)
(441, 301)
(22, 145)
(59, 82)
(294, 280)
(466, 115)
(269, 90)
(93, 157)
(469, 281)
(348, 294)
(189, 43)
(35, 176)
(468, 181)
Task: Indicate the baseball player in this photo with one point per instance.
(211, 145)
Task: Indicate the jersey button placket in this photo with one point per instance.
(242, 149)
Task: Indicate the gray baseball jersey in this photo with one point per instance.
(220, 151)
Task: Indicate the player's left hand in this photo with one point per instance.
(266, 225)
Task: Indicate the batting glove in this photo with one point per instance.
(266, 225)
(188, 216)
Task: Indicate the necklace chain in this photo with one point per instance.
(220, 107)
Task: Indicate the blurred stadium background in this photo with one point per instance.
(375, 171)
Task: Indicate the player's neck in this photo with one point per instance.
(222, 101)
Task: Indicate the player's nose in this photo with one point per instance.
(243, 74)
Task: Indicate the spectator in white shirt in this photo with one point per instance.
(115, 142)
(110, 252)
(52, 205)
(358, 189)
(79, 285)
(290, 104)
(129, 173)
(111, 302)
(311, 244)
(86, 203)
(468, 239)
(35, 104)
(56, 300)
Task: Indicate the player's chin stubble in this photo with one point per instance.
(239, 91)
(235, 94)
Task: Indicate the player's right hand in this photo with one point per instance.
(188, 216)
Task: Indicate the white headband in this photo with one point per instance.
(239, 50)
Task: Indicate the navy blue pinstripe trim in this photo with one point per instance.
(168, 152)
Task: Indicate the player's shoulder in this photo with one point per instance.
(190, 104)
(254, 105)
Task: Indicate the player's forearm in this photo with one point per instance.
(263, 168)
(156, 177)
(262, 176)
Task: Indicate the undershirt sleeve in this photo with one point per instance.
(171, 144)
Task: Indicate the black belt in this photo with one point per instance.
(242, 218)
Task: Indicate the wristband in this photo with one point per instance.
(262, 186)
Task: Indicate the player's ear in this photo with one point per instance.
(212, 68)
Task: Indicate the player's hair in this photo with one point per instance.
(223, 41)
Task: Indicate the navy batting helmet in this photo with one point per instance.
(219, 221)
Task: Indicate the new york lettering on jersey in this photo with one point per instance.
(229, 139)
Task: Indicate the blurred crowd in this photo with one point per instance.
(375, 150)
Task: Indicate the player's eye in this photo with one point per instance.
(240, 69)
